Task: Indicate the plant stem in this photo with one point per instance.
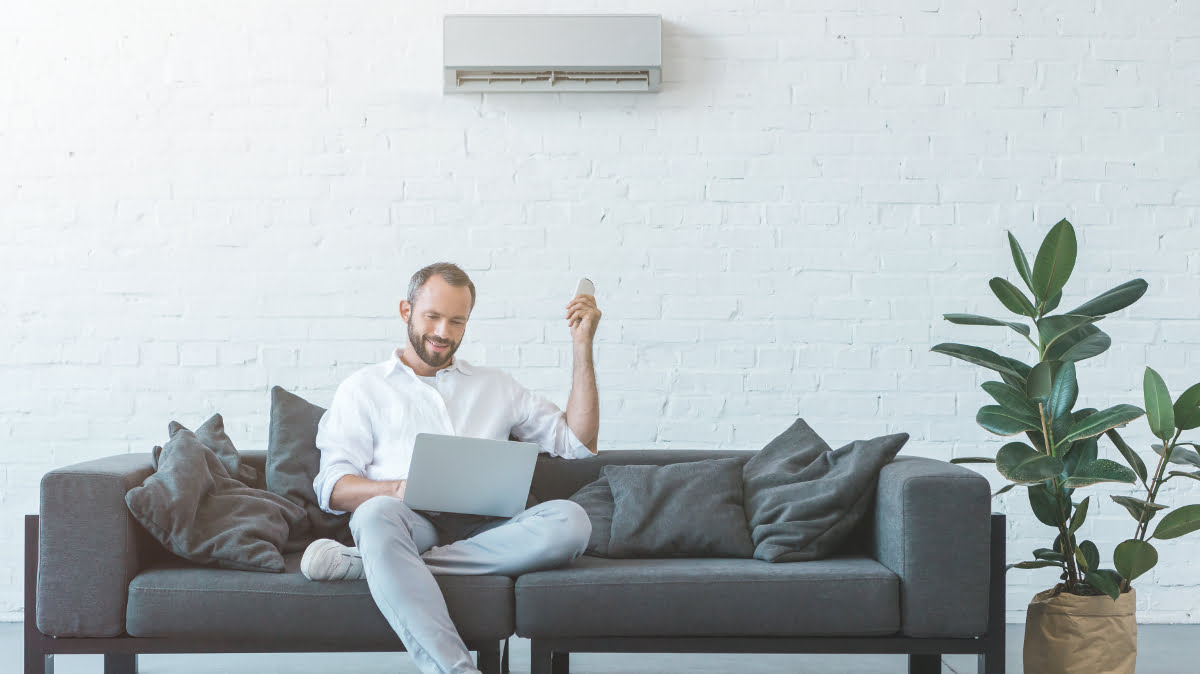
(1152, 494)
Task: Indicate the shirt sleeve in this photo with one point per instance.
(543, 423)
(345, 440)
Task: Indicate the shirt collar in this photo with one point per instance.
(458, 364)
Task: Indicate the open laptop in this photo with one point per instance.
(475, 476)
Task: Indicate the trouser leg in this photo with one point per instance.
(391, 538)
(545, 536)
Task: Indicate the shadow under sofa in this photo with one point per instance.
(923, 575)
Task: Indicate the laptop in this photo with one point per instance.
(475, 476)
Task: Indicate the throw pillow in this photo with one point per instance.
(691, 509)
(803, 499)
(212, 434)
(196, 510)
(597, 501)
(293, 461)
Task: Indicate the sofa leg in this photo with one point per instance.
(540, 658)
(924, 663)
(488, 660)
(504, 659)
(992, 662)
(561, 663)
(120, 663)
(38, 663)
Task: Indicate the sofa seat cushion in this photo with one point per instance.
(180, 599)
(595, 597)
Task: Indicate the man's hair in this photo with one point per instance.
(450, 273)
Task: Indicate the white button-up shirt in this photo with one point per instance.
(377, 412)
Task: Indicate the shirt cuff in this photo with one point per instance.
(327, 479)
(575, 449)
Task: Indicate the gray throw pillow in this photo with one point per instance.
(597, 501)
(196, 510)
(691, 509)
(293, 461)
(212, 434)
(803, 499)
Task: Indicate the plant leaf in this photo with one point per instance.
(1138, 508)
(1002, 421)
(1005, 489)
(1036, 564)
(1081, 452)
(1100, 470)
(1050, 555)
(1010, 398)
(1180, 521)
(1021, 463)
(977, 355)
(1045, 506)
(1021, 262)
(1080, 515)
(972, 459)
(1180, 473)
(1090, 555)
(1131, 457)
(972, 319)
(1055, 260)
(1133, 558)
(1012, 298)
(1079, 344)
(1052, 303)
(1114, 300)
(1180, 455)
(1064, 392)
(1101, 421)
(1053, 328)
(1159, 412)
(1041, 380)
(1105, 580)
(1187, 409)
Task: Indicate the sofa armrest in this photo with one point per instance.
(933, 529)
(88, 548)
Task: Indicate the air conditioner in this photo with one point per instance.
(552, 52)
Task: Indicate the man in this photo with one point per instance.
(366, 441)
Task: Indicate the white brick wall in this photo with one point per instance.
(201, 200)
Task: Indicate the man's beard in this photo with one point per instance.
(431, 359)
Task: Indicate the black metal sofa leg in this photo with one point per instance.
(120, 663)
(504, 659)
(540, 658)
(560, 663)
(924, 663)
(488, 661)
(38, 663)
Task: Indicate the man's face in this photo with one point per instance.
(437, 321)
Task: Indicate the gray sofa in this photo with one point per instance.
(923, 576)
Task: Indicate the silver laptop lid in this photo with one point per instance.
(469, 475)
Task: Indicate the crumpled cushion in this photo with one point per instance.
(597, 501)
(803, 499)
(198, 511)
(691, 509)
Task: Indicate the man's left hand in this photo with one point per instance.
(583, 316)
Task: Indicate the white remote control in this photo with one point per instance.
(585, 287)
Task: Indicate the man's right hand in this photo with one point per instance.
(351, 491)
(400, 485)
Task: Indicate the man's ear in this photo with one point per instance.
(405, 310)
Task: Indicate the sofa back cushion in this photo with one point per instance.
(556, 478)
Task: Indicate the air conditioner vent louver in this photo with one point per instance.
(551, 53)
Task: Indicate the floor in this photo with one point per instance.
(1162, 649)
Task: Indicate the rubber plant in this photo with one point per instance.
(1059, 454)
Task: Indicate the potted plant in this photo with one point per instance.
(1086, 622)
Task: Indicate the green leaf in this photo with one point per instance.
(1118, 415)
(1079, 344)
(1112, 301)
(1180, 521)
(1041, 380)
(1105, 580)
(1021, 463)
(1081, 452)
(1138, 508)
(1001, 421)
(1052, 303)
(1012, 298)
(1020, 261)
(1010, 398)
(1005, 489)
(1017, 366)
(1087, 555)
(972, 459)
(1187, 409)
(1050, 555)
(1064, 392)
(1180, 473)
(972, 319)
(1133, 558)
(977, 355)
(1159, 412)
(1045, 506)
(1100, 470)
(1053, 328)
(1180, 455)
(1080, 515)
(1131, 457)
(1055, 260)
(1037, 564)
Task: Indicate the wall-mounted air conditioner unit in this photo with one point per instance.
(552, 52)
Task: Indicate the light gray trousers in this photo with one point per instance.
(402, 550)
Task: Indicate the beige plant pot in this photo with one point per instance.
(1069, 634)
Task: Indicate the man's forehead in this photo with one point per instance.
(442, 297)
